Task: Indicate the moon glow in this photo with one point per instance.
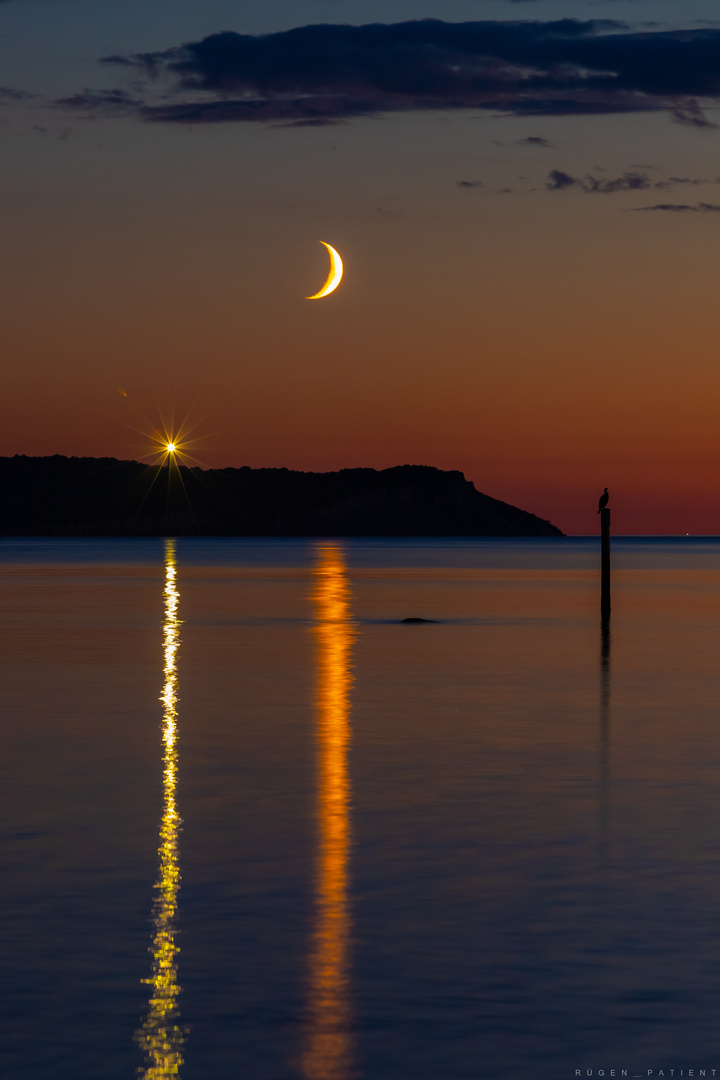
(334, 277)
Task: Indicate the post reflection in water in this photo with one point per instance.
(328, 1053)
(161, 1037)
(604, 732)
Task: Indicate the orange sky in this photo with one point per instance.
(546, 343)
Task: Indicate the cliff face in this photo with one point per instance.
(60, 496)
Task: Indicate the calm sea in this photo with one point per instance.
(256, 826)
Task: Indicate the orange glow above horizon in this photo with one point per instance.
(544, 343)
(329, 1049)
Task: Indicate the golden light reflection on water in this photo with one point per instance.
(161, 1036)
(328, 1054)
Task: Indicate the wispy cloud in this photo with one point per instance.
(691, 114)
(105, 102)
(680, 208)
(534, 140)
(9, 93)
(558, 180)
(562, 67)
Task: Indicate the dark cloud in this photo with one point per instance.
(102, 102)
(8, 93)
(680, 208)
(469, 183)
(673, 181)
(565, 67)
(291, 112)
(534, 140)
(559, 180)
(63, 134)
(629, 181)
(690, 113)
(317, 121)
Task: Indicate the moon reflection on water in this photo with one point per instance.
(329, 1047)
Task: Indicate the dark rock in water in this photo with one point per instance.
(419, 620)
(61, 496)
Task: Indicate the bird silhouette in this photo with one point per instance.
(603, 500)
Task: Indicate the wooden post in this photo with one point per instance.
(605, 563)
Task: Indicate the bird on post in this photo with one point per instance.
(603, 501)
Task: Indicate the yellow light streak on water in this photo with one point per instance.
(161, 1037)
(328, 1053)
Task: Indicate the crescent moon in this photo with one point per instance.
(334, 277)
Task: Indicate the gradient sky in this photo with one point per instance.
(529, 217)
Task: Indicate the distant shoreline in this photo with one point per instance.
(103, 497)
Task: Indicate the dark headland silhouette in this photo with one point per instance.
(70, 496)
